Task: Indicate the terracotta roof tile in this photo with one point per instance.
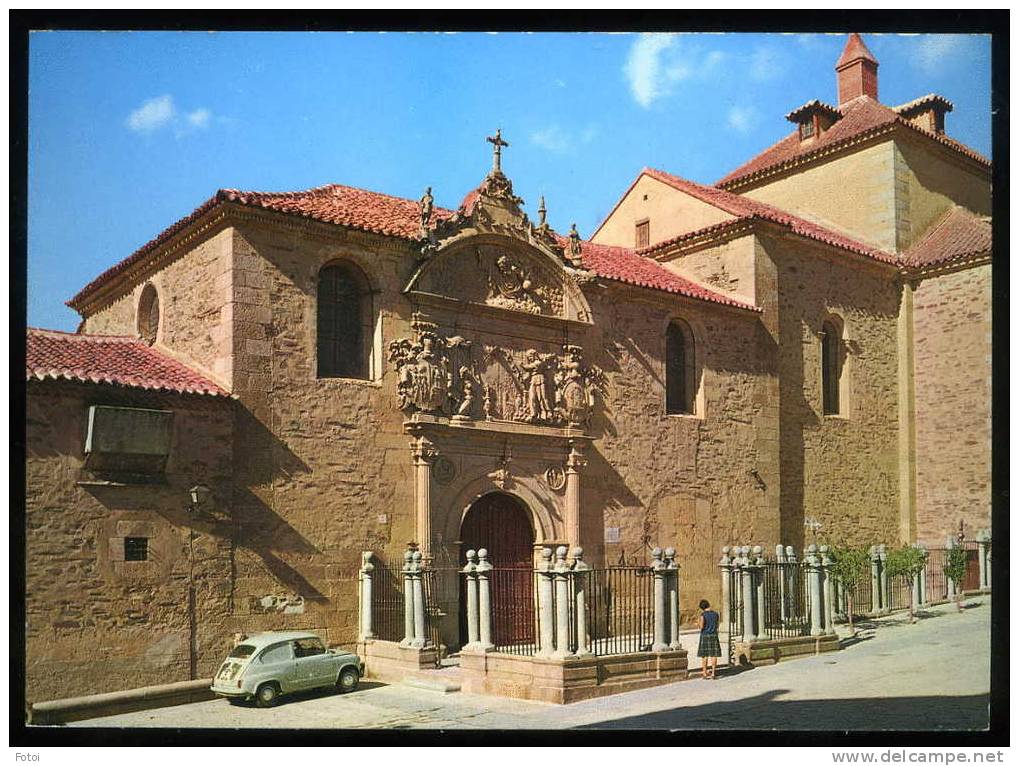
(622, 264)
(860, 116)
(110, 359)
(958, 234)
(745, 208)
(344, 205)
(397, 217)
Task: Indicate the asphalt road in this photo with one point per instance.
(932, 675)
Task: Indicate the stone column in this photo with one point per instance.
(580, 577)
(423, 453)
(759, 574)
(813, 563)
(408, 597)
(984, 557)
(365, 576)
(672, 593)
(546, 612)
(484, 602)
(661, 614)
(748, 594)
(828, 588)
(885, 591)
(574, 463)
(562, 605)
(725, 566)
(420, 634)
(470, 573)
(875, 579)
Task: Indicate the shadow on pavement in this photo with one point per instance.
(859, 638)
(767, 711)
(314, 694)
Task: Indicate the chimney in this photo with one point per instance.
(856, 70)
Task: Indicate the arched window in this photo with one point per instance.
(831, 367)
(679, 369)
(344, 322)
(148, 314)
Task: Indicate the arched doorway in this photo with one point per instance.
(501, 524)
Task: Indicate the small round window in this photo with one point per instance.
(148, 314)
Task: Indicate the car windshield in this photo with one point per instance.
(242, 651)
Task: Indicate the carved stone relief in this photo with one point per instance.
(439, 375)
(495, 276)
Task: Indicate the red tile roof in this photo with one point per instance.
(958, 234)
(744, 208)
(110, 359)
(855, 49)
(344, 205)
(397, 217)
(862, 117)
(622, 264)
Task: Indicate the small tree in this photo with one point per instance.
(955, 570)
(850, 567)
(907, 562)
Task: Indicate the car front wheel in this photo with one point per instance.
(267, 695)
(348, 679)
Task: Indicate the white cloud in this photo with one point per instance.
(934, 52)
(161, 112)
(199, 118)
(657, 62)
(560, 141)
(742, 119)
(152, 115)
(767, 63)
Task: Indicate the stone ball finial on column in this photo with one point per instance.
(758, 552)
(483, 554)
(669, 555)
(725, 560)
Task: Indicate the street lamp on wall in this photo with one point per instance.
(200, 497)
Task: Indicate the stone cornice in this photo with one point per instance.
(219, 217)
(847, 146)
(957, 263)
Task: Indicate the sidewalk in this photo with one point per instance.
(934, 675)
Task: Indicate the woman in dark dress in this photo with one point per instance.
(709, 650)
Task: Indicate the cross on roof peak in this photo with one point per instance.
(497, 144)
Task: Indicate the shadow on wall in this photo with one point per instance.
(769, 711)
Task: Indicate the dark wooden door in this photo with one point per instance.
(502, 525)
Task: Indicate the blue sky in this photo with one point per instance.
(129, 132)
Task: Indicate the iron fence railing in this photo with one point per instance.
(387, 602)
(934, 573)
(786, 600)
(620, 606)
(514, 618)
(898, 593)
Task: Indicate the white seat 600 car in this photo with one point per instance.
(266, 666)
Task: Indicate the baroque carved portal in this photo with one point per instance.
(439, 375)
(495, 276)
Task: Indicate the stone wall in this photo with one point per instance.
(95, 623)
(952, 378)
(852, 193)
(841, 470)
(928, 182)
(195, 292)
(669, 212)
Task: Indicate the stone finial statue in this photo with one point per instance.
(573, 249)
(542, 223)
(426, 204)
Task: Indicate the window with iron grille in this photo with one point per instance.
(830, 363)
(136, 549)
(679, 369)
(807, 129)
(344, 322)
(643, 234)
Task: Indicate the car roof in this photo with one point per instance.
(258, 640)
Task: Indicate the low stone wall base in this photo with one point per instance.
(768, 652)
(568, 680)
(114, 703)
(390, 662)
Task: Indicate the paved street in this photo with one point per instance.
(932, 676)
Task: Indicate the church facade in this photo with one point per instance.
(281, 381)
